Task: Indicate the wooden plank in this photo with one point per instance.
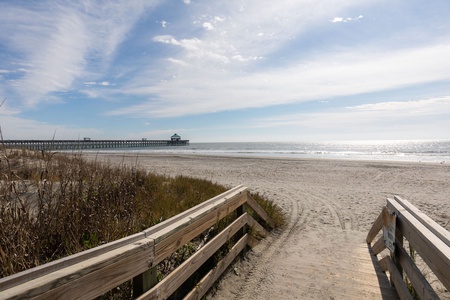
(256, 226)
(429, 223)
(252, 242)
(209, 279)
(431, 249)
(378, 246)
(418, 281)
(259, 210)
(186, 214)
(185, 230)
(31, 274)
(173, 281)
(376, 227)
(89, 278)
(396, 278)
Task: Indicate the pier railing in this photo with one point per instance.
(400, 221)
(91, 273)
(89, 144)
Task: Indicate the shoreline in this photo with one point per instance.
(330, 205)
(268, 157)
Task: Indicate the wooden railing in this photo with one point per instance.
(93, 272)
(427, 238)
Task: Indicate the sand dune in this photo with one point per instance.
(330, 205)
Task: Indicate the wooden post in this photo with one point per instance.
(239, 212)
(145, 281)
(396, 255)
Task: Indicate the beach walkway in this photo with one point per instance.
(308, 261)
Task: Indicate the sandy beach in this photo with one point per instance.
(330, 206)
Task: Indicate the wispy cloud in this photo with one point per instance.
(102, 83)
(327, 76)
(376, 114)
(14, 127)
(59, 45)
(345, 20)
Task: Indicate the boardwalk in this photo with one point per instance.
(322, 253)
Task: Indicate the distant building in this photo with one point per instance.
(175, 138)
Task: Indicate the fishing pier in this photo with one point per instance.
(87, 143)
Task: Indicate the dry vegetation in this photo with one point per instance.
(53, 205)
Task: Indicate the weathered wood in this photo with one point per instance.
(376, 227)
(96, 275)
(174, 280)
(145, 281)
(378, 246)
(256, 226)
(259, 211)
(209, 279)
(398, 243)
(418, 281)
(396, 278)
(240, 210)
(185, 230)
(431, 249)
(31, 274)
(429, 223)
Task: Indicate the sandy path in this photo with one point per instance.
(330, 207)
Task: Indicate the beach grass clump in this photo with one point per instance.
(54, 205)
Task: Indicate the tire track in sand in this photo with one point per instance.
(260, 276)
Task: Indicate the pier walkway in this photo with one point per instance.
(90, 144)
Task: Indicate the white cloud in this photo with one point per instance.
(164, 24)
(167, 39)
(434, 106)
(195, 48)
(177, 61)
(208, 26)
(187, 2)
(102, 83)
(344, 20)
(337, 19)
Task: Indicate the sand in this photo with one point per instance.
(330, 206)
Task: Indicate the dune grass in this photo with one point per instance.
(54, 205)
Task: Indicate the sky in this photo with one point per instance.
(225, 71)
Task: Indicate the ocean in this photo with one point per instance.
(413, 151)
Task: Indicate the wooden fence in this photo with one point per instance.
(428, 239)
(91, 273)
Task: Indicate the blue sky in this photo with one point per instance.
(253, 70)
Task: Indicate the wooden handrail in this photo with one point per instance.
(426, 237)
(91, 273)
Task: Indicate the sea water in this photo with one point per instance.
(418, 151)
